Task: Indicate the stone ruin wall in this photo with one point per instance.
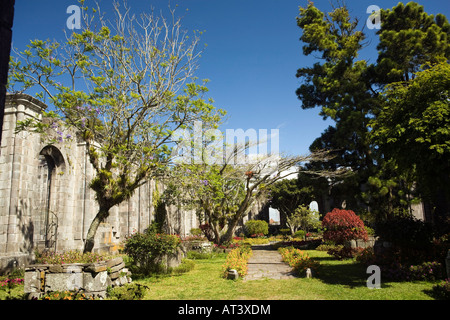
(45, 199)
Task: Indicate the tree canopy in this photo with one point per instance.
(124, 86)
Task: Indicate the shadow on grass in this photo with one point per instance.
(337, 272)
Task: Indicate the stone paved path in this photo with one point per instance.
(266, 263)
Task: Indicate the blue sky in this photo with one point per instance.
(253, 52)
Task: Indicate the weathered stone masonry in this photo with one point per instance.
(45, 199)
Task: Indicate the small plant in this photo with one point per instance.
(130, 291)
(67, 295)
(237, 259)
(298, 260)
(185, 266)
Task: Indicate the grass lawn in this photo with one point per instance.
(338, 280)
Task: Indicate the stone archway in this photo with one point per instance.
(51, 164)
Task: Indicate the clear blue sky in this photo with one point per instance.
(251, 59)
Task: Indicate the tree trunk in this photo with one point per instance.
(89, 243)
(230, 229)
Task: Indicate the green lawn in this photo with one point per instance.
(338, 280)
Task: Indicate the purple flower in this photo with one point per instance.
(205, 182)
(68, 136)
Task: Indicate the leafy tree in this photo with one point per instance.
(123, 86)
(340, 86)
(414, 128)
(222, 193)
(424, 38)
(350, 92)
(287, 196)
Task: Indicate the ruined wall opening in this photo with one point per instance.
(51, 165)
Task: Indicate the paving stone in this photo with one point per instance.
(267, 263)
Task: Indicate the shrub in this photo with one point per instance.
(365, 256)
(405, 232)
(256, 228)
(298, 260)
(441, 291)
(237, 259)
(146, 249)
(427, 271)
(196, 232)
(185, 266)
(66, 295)
(129, 291)
(343, 225)
(300, 234)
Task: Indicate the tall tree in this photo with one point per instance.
(424, 38)
(350, 91)
(223, 192)
(340, 85)
(123, 86)
(414, 128)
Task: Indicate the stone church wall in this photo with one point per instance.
(45, 199)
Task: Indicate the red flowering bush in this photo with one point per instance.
(343, 225)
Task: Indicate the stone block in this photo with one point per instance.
(114, 262)
(96, 267)
(117, 267)
(32, 281)
(96, 282)
(232, 274)
(63, 281)
(55, 268)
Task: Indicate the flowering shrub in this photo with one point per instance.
(231, 245)
(237, 259)
(298, 260)
(146, 249)
(72, 256)
(427, 271)
(343, 225)
(442, 290)
(395, 267)
(10, 283)
(66, 295)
